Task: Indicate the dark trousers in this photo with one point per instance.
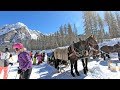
(26, 74)
(119, 55)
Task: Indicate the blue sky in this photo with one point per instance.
(44, 21)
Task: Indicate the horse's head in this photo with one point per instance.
(116, 47)
(92, 42)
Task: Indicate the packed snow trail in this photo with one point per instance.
(43, 71)
(97, 70)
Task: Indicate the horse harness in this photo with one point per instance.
(77, 54)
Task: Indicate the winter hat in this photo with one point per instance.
(18, 46)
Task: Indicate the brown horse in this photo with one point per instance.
(106, 50)
(109, 49)
(93, 44)
(77, 51)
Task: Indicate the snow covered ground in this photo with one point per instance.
(98, 69)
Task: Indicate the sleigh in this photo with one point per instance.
(61, 53)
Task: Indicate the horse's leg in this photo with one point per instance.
(98, 56)
(71, 62)
(57, 64)
(83, 63)
(94, 57)
(108, 55)
(75, 66)
(86, 62)
(104, 56)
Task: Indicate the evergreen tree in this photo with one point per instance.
(101, 32)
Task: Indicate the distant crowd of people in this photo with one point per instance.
(37, 58)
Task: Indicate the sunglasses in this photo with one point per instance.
(16, 49)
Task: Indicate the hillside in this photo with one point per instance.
(16, 32)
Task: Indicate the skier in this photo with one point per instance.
(25, 63)
(4, 62)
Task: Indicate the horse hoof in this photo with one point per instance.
(77, 73)
(73, 74)
(85, 73)
(87, 69)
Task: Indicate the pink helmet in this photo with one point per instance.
(18, 45)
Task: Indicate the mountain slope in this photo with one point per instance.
(17, 32)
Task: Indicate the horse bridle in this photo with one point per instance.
(91, 43)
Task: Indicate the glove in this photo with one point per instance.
(11, 64)
(19, 71)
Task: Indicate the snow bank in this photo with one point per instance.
(97, 73)
(110, 42)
